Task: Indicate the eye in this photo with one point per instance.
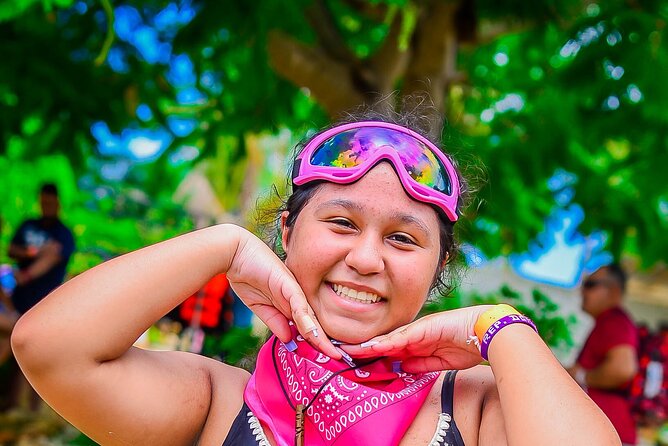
(403, 239)
(342, 222)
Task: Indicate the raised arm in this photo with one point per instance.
(76, 345)
(539, 403)
(19, 253)
(47, 257)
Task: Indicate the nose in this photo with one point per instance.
(366, 255)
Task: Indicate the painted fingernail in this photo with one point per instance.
(396, 366)
(335, 342)
(308, 324)
(291, 346)
(368, 344)
(346, 357)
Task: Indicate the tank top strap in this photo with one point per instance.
(448, 392)
(448, 406)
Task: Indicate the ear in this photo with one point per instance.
(285, 231)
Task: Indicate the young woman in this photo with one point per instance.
(366, 234)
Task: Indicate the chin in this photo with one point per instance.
(350, 331)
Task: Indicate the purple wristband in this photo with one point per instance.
(498, 325)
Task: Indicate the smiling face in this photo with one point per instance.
(365, 255)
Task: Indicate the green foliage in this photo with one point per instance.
(106, 221)
(81, 440)
(234, 346)
(591, 104)
(579, 111)
(10, 9)
(553, 327)
(231, 38)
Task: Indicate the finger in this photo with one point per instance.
(426, 364)
(303, 316)
(415, 338)
(275, 321)
(312, 331)
(392, 344)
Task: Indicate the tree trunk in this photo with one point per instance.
(340, 81)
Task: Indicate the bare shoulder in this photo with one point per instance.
(475, 382)
(474, 389)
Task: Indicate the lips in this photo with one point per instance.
(353, 294)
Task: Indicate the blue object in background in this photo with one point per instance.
(7, 280)
(561, 255)
(242, 314)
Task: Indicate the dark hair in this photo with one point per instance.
(419, 119)
(617, 274)
(49, 189)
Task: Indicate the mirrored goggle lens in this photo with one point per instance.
(354, 147)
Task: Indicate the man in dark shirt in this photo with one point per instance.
(608, 361)
(41, 247)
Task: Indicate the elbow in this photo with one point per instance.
(25, 343)
(21, 339)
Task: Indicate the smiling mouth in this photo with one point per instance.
(354, 295)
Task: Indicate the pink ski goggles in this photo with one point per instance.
(345, 153)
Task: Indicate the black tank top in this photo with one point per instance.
(246, 429)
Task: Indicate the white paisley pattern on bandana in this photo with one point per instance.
(342, 402)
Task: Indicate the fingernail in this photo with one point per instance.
(315, 332)
(335, 342)
(291, 346)
(346, 357)
(368, 344)
(396, 366)
(307, 322)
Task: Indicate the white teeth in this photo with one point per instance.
(358, 296)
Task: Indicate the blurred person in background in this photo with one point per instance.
(609, 358)
(41, 248)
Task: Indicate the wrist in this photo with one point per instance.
(492, 321)
(488, 317)
(31, 251)
(224, 240)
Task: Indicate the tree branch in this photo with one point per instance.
(329, 81)
(433, 65)
(389, 62)
(329, 37)
(109, 37)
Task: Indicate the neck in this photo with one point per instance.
(605, 310)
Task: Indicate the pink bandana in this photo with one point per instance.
(368, 405)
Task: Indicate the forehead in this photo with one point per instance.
(379, 193)
(600, 273)
(50, 198)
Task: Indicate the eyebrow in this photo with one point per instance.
(339, 202)
(402, 217)
(412, 220)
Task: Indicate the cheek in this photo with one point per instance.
(308, 257)
(423, 272)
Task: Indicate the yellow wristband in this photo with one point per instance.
(490, 316)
